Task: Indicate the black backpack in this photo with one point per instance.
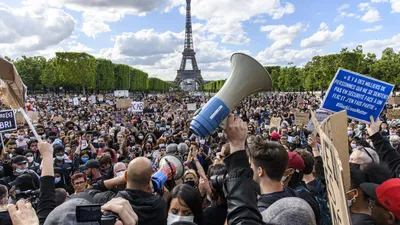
(324, 217)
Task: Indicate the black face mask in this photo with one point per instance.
(102, 145)
(191, 183)
(355, 166)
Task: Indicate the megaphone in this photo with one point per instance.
(248, 76)
(171, 167)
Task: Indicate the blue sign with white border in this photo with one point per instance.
(360, 95)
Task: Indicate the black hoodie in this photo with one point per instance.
(151, 209)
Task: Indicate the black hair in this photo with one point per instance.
(192, 199)
(295, 179)
(217, 196)
(3, 191)
(60, 196)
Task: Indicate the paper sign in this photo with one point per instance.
(275, 122)
(301, 118)
(19, 118)
(334, 179)
(7, 121)
(394, 113)
(93, 99)
(121, 93)
(335, 128)
(76, 101)
(100, 98)
(137, 107)
(320, 114)
(191, 107)
(57, 119)
(34, 116)
(123, 103)
(361, 96)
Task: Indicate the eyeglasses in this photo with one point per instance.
(80, 183)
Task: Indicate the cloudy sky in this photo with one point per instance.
(149, 34)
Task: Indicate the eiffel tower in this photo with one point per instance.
(189, 54)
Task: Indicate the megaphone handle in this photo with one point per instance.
(28, 120)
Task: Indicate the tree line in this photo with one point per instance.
(318, 73)
(79, 71)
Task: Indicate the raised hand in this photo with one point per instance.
(374, 126)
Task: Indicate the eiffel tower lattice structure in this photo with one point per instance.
(189, 54)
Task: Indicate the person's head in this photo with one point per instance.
(373, 173)
(92, 169)
(61, 196)
(294, 172)
(101, 141)
(3, 194)
(384, 201)
(10, 146)
(362, 156)
(20, 164)
(139, 174)
(79, 182)
(59, 152)
(184, 204)
(308, 159)
(190, 178)
(284, 139)
(119, 169)
(105, 163)
(217, 195)
(268, 160)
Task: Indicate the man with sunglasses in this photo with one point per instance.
(385, 201)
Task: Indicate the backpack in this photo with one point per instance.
(324, 217)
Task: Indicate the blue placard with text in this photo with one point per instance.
(360, 95)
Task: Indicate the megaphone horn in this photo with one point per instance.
(248, 76)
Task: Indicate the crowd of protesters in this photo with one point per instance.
(250, 173)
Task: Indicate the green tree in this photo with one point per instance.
(122, 75)
(105, 79)
(30, 69)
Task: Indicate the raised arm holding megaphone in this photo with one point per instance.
(248, 77)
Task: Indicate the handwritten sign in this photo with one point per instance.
(123, 103)
(7, 121)
(394, 113)
(76, 101)
(320, 115)
(275, 124)
(334, 178)
(191, 107)
(301, 118)
(137, 107)
(121, 93)
(360, 95)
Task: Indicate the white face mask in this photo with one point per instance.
(30, 159)
(353, 146)
(173, 218)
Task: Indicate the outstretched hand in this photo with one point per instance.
(236, 132)
(45, 148)
(374, 126)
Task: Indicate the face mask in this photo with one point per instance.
(84, 160)
(30, 159)
(140, 137)
(35, 148)
(150, 139)
(67, 149)
(17, 191)
(102, 132)
(360, 126)
(174, 218)
(57, 180)
(32, 138)
(349, 203)
(220, 135)
(20, 171)
(184, 137)
(391, 134)
(102, 145)
(350, 132)
(161, 145)
(354, 166)
(20, 137)
(61, 158)
(120, 173)
(168, 127)
(191, 183)
(394, 144)
(202, 142)
(353, 146)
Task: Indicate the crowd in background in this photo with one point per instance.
(249, 173)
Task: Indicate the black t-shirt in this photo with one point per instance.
(361, 219)
(215, 215)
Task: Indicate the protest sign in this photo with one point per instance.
(360, 95)
(334, 178)
(301, 118)
(76, 101)
(275, 124)
(100, 98)
(93, 99)
(19, 118)
(121, 93)
(7, 121)
(320, 114)
(137, 107)
(34, 116)
(191, 107)
(335, 128)
(57, 119)
(394, 114)
(123, 103)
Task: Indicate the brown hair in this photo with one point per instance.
(76, 176)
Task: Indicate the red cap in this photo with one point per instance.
(275, 135)
(295, 161)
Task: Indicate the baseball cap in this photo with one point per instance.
(22, 179)
(275, 135)
(19, 160)
(387, 194)
(92, 164)
(296, 161)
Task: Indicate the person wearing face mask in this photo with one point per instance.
(18, 167)
(59, 180)
(362, 156)
(65, 165)
(184, 204)
(190, 178)
(32, 165)
(357, 199)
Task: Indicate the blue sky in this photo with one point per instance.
(148, 34)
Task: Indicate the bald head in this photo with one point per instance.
(139, 172)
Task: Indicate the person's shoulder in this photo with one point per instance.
(361, 219)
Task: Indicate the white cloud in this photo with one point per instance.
(284, 56)
(29, 29)
(377, 46)
(93, 28)
(375, 28)
(259, 21)
(395, 6)
(379, 1)
(363, 6)
(343, 7)
(323, 38)
(323, 26)
(282, 34)
(235, 39)
(371, 16)
(79, 47)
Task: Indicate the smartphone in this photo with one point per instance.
(88, 213)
